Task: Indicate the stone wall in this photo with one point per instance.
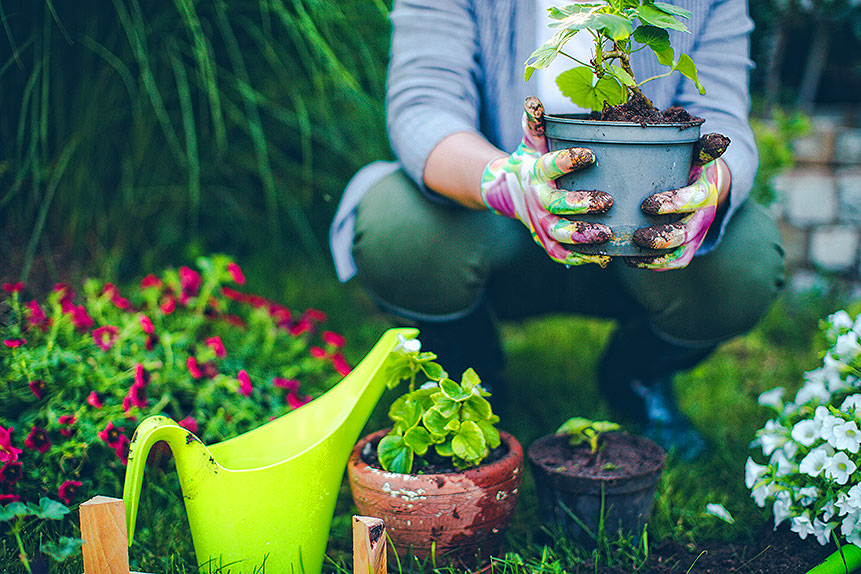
(818, 203)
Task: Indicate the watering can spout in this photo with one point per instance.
(194, 463)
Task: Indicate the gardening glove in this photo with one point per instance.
(698, 200)
(522, 186)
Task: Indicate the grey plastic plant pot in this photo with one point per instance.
(632, 162)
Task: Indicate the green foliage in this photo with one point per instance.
(617, 24)
(774, 139)
(443, 419)
(580, 430)
(15, 514)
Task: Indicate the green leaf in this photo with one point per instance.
(418, 439)
(444, 449)
(617, 27)
(574, 426)
(19, 509)
(576, 84)
(673, 9)
(5, 515)
(469, 443)
(477, 408)
(562, 12)
(446, 407)
(649, 14)
(623, 76)
(52, 509)
(544, 55)
(405, 410)
(434, 421)
(470, 380)
(490, 432)
(605, 426)
(453, 390)
(395, 455)
(452, 426)
(64, 548)
(655, 38)
(686, 66)
(434, 371)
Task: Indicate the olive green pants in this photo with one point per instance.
(429, 261)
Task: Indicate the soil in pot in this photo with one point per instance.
(460, 516)
(574, 485)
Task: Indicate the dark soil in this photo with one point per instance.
(639, 110)
(616, 456)
(435, 464)
(780, 552)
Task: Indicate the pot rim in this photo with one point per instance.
(513, 458)
(584, 119)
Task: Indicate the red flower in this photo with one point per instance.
(315, 315)
(68, 491)
(111, 435)
(67, 296)
(168, 304)
(291, 385)
(150, 281)
(300, 327)
(17, 287)
(14, 343)
(122, 449)
(38, 440)
(8, 453)
(10, 473)
(120, 302)
(245, 387)
(142, 376)
(9, 499)
(38, 388)
(151, 342)
(95, 400)
(208, 369)
(233, 294)
(318, 353)
(295, 401)
(217, 346)
(236, 273)
(137, 397)
(333, 339)
(106, 336)
(281, 315)
(67, 420)
(191, 363)
(189, 280)
(81, 319)
(235, 320)
(36, 316)
(189, 424)
(340, 364)
(146, 325)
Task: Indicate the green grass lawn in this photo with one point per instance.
(552, 356)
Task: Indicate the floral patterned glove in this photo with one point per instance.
(522, 186)
(698, 200)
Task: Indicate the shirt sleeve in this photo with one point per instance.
(432, 78)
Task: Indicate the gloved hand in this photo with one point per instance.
(522, 186)
(698, 200)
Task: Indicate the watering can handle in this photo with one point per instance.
(834, 564)
(150, 431)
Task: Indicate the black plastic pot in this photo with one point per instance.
(626, 498)
(633, 162)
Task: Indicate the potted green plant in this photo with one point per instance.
(444, 479)
(633, 141)
(590, 475)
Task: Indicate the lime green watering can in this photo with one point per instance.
(267, 496)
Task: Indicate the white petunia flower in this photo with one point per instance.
(408, 345)
(814, 463)
(772, 398)
(791, 449)
(840, 321)
(781, 463)
(782, 507)
(856, 326)
(773, 435)
(753, 472)
(761, 493)
(803, 525)
(812, 390)
(847, 347)
(853, 498)
(718, 510)
(807, 495)
(852, 403)
(825, 423)
(846, 437)
(839, 468)
(822, 531)
(851, 525)
(828, 510)
(805, 432)
(844, 506)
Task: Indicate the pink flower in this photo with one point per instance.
(122, 449)
(137, 397)
(281, 315)
(295, 401)
(10, 473)
(95, 400)
(127, 405)
(151, 342)
(300, 327)
(38, 387)
(191, 363)
(8, 453)
(38, 440)
(189, 280)
(67, 420)
(315, 315)
(334, 339)
(291, 385)
(208, 369)
(245, 387)
(168, 304)
(142, 376)
(150, 281)
(111, 435)
(36, 315)
(217, 346)
(14, 343)
(81, 319)
(189, 424)
(17, 287)
(341, 365)
(146, 325)
(318, 353)
(9, 499)
(120, 302)
(233, 294)
(68, 491)
(106, 336)
(236, 273)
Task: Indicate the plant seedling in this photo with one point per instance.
(618, 28)
(582, 430)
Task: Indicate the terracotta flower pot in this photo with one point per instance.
(570, 480)
(458, 515)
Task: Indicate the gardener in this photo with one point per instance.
(437, 237)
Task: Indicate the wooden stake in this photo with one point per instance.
(103, 529)
(369, 545)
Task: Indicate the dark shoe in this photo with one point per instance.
(663, 421)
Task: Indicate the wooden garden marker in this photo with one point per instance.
(369, 545)
(103, 529)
